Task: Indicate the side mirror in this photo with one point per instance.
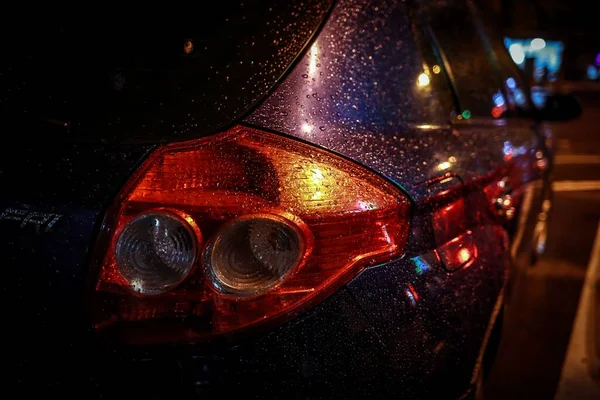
(560, 107)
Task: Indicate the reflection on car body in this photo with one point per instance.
(305, 200)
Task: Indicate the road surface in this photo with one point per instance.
(551, 341)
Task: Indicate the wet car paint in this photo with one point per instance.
(133, 80)
(333, 104)
(433, 326)
(45, 279)
(409, 328)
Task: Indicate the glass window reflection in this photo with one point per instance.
(469, 67)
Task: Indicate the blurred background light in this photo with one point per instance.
(423, 80)
(537, 44)
(517, 53)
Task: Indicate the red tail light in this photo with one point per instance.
(217, 234)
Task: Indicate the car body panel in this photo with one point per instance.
(148, 76)
(51, 207)
(333, 104)
(413, 327)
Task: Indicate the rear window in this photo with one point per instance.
(152, 74)
(475, 78)
(513, 81)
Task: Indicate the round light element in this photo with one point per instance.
(253, 254)
(592, 72)
(156, 252)
(517, 53)
(498, 99)
(537, 44)
(423, 80)
(511, 83)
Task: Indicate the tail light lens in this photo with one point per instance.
(155, 252)
(217, 234)
(253, 253)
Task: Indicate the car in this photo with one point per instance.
(301, 199)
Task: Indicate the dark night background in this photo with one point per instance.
(575, 23)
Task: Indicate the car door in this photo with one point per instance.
(537, 196)
(492, 100)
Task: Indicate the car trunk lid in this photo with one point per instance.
(51, 205)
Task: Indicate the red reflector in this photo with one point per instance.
(278, 225)
(449, 222)
(459, 253)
